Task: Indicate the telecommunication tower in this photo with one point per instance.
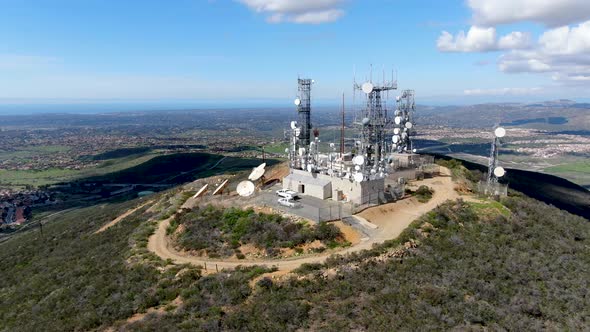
(303, 103)
(403, 123)
(495, 171)
(373, 127)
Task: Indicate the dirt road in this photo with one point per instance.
(391, 218)
(120, 218)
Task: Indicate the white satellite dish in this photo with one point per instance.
(301, 151)
(500, 132)
(358, 160)
(393, 147)
(357, 167)
(395, 138)
(366, 121)
(499, 171)
(414, 150)
(257, 172)
(245, 188)
(397, 120)
(397, 113)
(358, 177)
(398, 98)
(396, 131)
(287, 150)
(409, 125)
(297, 132)
(367, 87)
(332, 145)
(297, 102)
(293, 124)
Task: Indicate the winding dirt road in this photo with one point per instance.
(391, 219)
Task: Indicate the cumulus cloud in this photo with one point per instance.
(563, 51)
(480, 39)
(298, 11)
(502, 92)
(549, 12)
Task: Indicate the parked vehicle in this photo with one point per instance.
(286, 193)
(287, 202)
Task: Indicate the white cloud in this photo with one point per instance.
(515, 40)
(298, 11)
(502, 92)
(564, 52)
(480, 39)
(549, 12)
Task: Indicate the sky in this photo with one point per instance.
(226, 52)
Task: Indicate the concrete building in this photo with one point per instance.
(339, 189)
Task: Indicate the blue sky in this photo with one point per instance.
(227, 51)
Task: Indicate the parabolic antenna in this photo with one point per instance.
(245, 188)
(367, 87)
(500, 132)
(398, 98)
(293, 124)
(414, 150)
(357, 167)
(499, 171)
(257, 173)
(297, 101)
(396, 131)
(366, 121)
(310, 168)
(287, 150)
(358, 160)
(297, 132)
(409, 125)
(358, 177)
(301, 151)
(397, 120)
(395, 138)
(332, 145)
(397, 113)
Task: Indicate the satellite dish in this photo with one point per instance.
(293, 124)
(357, 168)
(358, 160)
(499, 171)
(297, 102)
(297, 132)
(409, 125)
(301, 151)
(397, 113)
(500, 132)
(245, 188)
(366, 121)
(398, 98)
(257, 172)
(393, 147)
(332, 145)
(358, 177)
(414, 150)
(396, 131)
(395, 139)
(367, 87)
(287, 150)
(397, 120)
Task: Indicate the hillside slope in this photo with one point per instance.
(471, 266)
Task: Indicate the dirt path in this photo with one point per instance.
(391, 218)
(121, 217)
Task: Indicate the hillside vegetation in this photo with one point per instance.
(220, 232)
(520, 265)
